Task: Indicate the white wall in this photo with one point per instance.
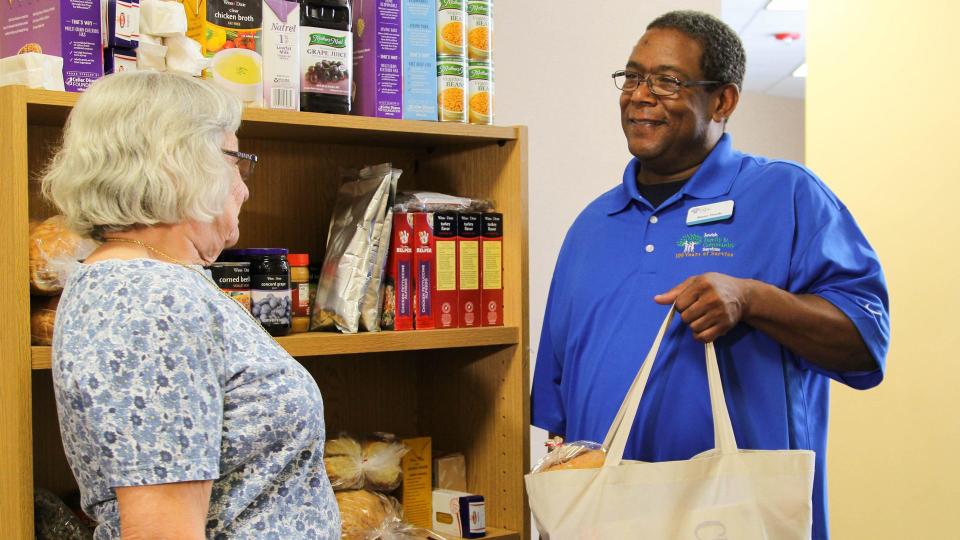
(768, 125)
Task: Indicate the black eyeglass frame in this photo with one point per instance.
(246, 162)
(648, 80)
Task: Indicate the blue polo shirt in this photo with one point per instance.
(787, 229)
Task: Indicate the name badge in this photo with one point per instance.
(709, 213)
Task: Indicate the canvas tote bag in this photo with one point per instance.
(721, 494)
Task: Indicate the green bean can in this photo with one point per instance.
(480, 82)
(451, 88)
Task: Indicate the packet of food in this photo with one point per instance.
(429, 201)
(355, 227)
(372, 464)
(366, 515)
(572, 455)
(372, 303)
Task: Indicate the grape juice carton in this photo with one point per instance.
(70, 29)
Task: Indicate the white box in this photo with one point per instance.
(281, 54)
(459, 514)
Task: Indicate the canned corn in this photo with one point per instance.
(480, 81)
(451, 27)
(451, 89)
(480, 30)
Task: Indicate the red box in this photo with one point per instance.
(424, 261)
(398, 294)
(491, 268)
(445, 270)
(468, 270)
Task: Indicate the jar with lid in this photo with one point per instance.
(270, 301)
(299, 291)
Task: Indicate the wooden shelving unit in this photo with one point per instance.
(466, 388)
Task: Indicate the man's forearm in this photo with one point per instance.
(810, 326)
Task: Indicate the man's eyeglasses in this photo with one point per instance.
(659, 85)
(246, 163)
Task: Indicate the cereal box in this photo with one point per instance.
(69, 29)
(377, 52)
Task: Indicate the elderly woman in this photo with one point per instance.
(181, 417)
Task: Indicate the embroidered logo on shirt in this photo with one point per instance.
(704, 245)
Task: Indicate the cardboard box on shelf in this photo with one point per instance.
(491, 268)
(69, 29)
(399, 283)
(468, 270)
(445, 278)
(377, 58)
(419, 52)
(424, 271)
(450, 472)
(281, 54)
(458, 513)
(417, 479)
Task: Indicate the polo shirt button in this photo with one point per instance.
(653, 219)
(649, 248)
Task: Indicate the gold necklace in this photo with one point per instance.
(206, 279)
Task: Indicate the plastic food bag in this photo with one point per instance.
(374, 464)
(55, 251)
(428, 201)
(53, 520)
(43, 313)
(372, 516)
(574, 455)
(354, 245)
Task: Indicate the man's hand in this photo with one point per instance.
(710, 304)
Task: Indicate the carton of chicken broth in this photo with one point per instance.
(229, 34)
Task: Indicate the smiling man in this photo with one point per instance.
(759, 256)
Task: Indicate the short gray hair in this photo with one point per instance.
(142, 148)
(723, 59)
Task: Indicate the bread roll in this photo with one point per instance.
(588, 459)
(43, 312)
(343, 459)
(381, 464)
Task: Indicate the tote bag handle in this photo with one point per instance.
(616, 439)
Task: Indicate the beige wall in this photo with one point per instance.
(891, 153)
(770, 126)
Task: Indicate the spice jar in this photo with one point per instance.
(270, 301)
(299, 291)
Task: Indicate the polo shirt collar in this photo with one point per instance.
(714, 178)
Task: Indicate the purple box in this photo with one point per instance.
(377, 59)
(66, 28)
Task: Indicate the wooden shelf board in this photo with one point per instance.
(48, 107)
(329, 343)
(492, 532)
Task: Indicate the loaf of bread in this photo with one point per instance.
(588, 459)
(54, 249)
(43, 312)
(381, 464)
(362, 512)
(343, 458)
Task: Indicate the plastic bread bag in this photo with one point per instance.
(361, 204)
(53, 520)
(373, 464)
(428, 201)
(372, 303)
(366, 515)
(343, 459)
(381, 462)
(43, 314)
(55, 251)
(572, 455)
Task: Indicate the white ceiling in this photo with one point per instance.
(770, 63)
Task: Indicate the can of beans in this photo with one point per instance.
(480, 81)
(234, 279)
(451, 89)
(480, 30)
(451, 27)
